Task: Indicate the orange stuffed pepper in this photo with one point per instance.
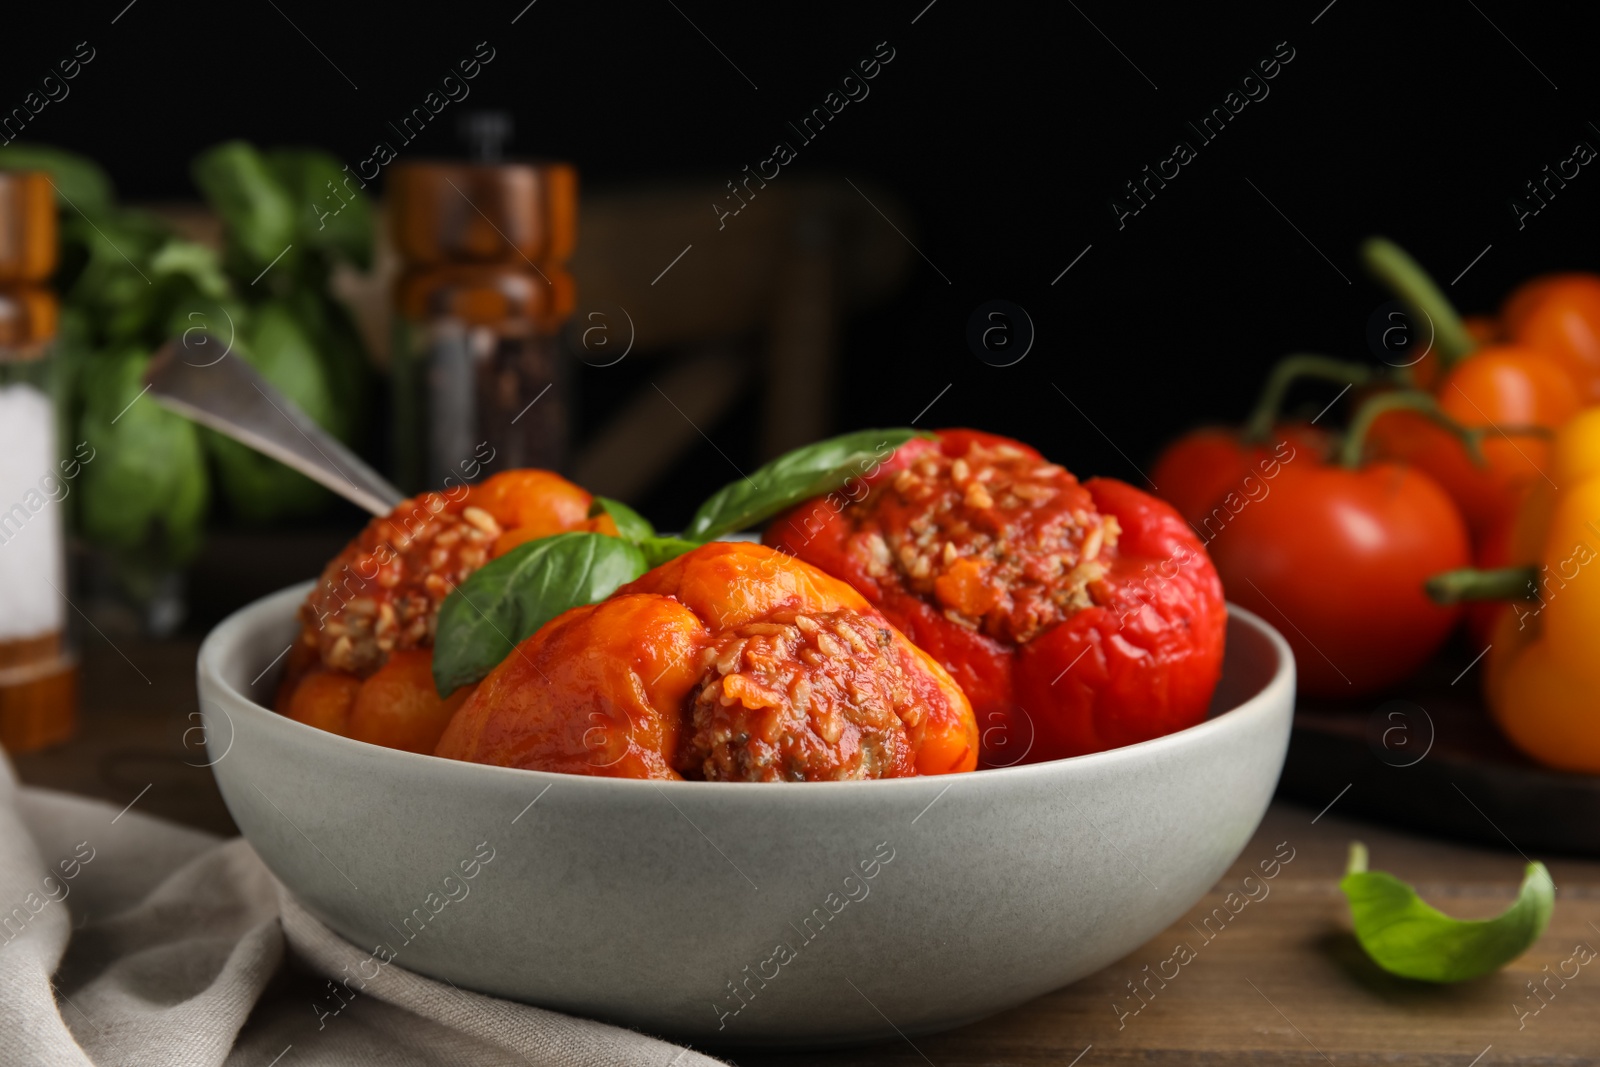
(362, 665)
(732, 662)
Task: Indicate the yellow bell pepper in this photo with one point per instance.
(1542, 680)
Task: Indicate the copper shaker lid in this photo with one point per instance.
(27, 227)
(442, 212)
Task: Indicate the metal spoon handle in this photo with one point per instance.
(227, 395)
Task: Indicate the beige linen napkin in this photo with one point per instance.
(128, 940)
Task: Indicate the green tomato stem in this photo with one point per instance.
(1404, 277)
(1285, 373)
(1470, 583)
(1355, 439)
(1358, 858)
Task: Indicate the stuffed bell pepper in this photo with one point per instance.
(731, 662)
(362, 664)
(1076, 616)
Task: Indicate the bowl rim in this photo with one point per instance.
(226, 637)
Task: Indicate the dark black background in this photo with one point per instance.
(1005, 127)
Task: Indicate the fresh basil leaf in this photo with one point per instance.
(77, 179)
(257, 209)
(630, 524)
(277, 344)
(503, 602)
(331, 213)
(195, 263)
(343, 355)
(145, 485)
(1407, 937)
(658, 550)
(795, 476)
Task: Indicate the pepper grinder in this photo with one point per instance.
(478, 367)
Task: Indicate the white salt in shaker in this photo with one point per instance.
(38, 673)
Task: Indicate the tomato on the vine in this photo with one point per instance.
(1336, 557)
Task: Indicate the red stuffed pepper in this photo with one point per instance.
(1076, 616)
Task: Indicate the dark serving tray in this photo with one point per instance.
(1427, 757)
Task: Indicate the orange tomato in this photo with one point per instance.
(1560, 316)
(1485, 331)
(1503, 390)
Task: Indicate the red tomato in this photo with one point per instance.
(1336, 558)
(1199, 469)
(1493, 552)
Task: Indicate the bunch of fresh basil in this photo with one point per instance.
(501, 604)
(129, 284)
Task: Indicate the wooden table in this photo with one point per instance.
(1282, 982)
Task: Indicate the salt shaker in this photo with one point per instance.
(38, 673)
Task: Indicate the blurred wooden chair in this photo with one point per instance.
(758, 304)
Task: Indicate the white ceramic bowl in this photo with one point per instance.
(746, 913)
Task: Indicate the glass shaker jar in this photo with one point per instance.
(38, 673)
(478, 362)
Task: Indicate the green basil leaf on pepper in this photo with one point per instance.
(631, 525)
(502, 603)
(791, 478)
(658, 550)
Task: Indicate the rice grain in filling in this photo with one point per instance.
(999, 541)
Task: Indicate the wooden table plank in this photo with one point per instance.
(138, 725)
(1284, 982)
(1280, 982)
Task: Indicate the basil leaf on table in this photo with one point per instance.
(503, 602)
(631, 526)
(1407, 937)
(795, 476)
